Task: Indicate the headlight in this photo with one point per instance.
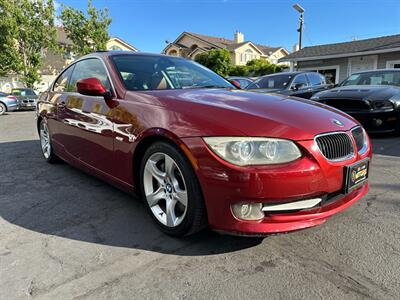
(245, 151)
(382, 104)
(396, 100)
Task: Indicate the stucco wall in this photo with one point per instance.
(115, 43)
(336, 62)
(343, 63)
(383, 58)
(242, 50)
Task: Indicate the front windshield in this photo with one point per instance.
(23, 92)
(374, 78)
(145, 72)
(271, 82)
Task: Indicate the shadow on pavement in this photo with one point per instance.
(62, 201)
(385, 144)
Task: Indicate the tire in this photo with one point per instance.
(171, 191)
(45, 143)
(3, 108)
(397, 131)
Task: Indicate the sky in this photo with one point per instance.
(147, 24)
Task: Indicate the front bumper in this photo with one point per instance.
(310, 176)
(377, 121)
(26, 104)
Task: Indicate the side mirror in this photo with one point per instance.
(235, 83)
(91, 87)
(298, 86)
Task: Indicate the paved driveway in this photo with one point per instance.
(64, 234)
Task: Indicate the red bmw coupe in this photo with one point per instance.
(199, 151)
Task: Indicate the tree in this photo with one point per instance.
(218, 60)
(26, 29)
(88, 32)
(259, 67)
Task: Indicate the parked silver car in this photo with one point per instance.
(26, 98)
(7, 103)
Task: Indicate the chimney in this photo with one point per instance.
(296, 47)
(239, 37)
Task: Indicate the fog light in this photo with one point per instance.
(248, 211)
(377, 122)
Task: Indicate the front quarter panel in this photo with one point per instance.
(136, 119)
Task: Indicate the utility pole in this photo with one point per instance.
(300, 29)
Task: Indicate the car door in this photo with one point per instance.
(50, 102)
(86, 132)
(300, 87)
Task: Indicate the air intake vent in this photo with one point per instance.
(335, 146)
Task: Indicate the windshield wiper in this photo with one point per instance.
(205, 87)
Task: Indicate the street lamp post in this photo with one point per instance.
(301, 11)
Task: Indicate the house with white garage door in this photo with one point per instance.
(337, 61)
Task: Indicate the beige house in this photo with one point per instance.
(55, 62)
(190, 44)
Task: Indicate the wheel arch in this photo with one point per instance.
(4, 105)
(150, 137)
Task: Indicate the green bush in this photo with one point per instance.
(218, 60)
(239, 71)
(260, 67)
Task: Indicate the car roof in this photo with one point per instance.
(107, 53)
(377, 70)
(288, 73)
(240, 77)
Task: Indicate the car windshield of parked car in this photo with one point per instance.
(280, 81)
(23, 92)
(145, 72)
(374, 78)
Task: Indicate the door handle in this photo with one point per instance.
(62, 104)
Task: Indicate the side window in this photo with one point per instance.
(300, 79)
(87, 68)
(61, 84)
(316, 79)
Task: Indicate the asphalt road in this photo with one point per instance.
(64, 235)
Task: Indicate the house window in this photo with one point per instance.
(115, 48)
(393, 64)
(247, 56)
(173, 53)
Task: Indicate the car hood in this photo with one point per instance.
(251, 114)
(264, 90)
(360, 92)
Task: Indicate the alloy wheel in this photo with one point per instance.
(165, 189)
(2, 109)
(45, 140)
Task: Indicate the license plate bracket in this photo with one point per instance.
(355, 175)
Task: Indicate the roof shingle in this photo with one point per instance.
(372, 44)
(231, 44)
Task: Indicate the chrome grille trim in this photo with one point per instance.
(335, 146)
(362, 145)
(295, 205)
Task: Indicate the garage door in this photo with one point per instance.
(362, 63)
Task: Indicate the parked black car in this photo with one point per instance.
(243, 81)
(371, 97)
(299, 84)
